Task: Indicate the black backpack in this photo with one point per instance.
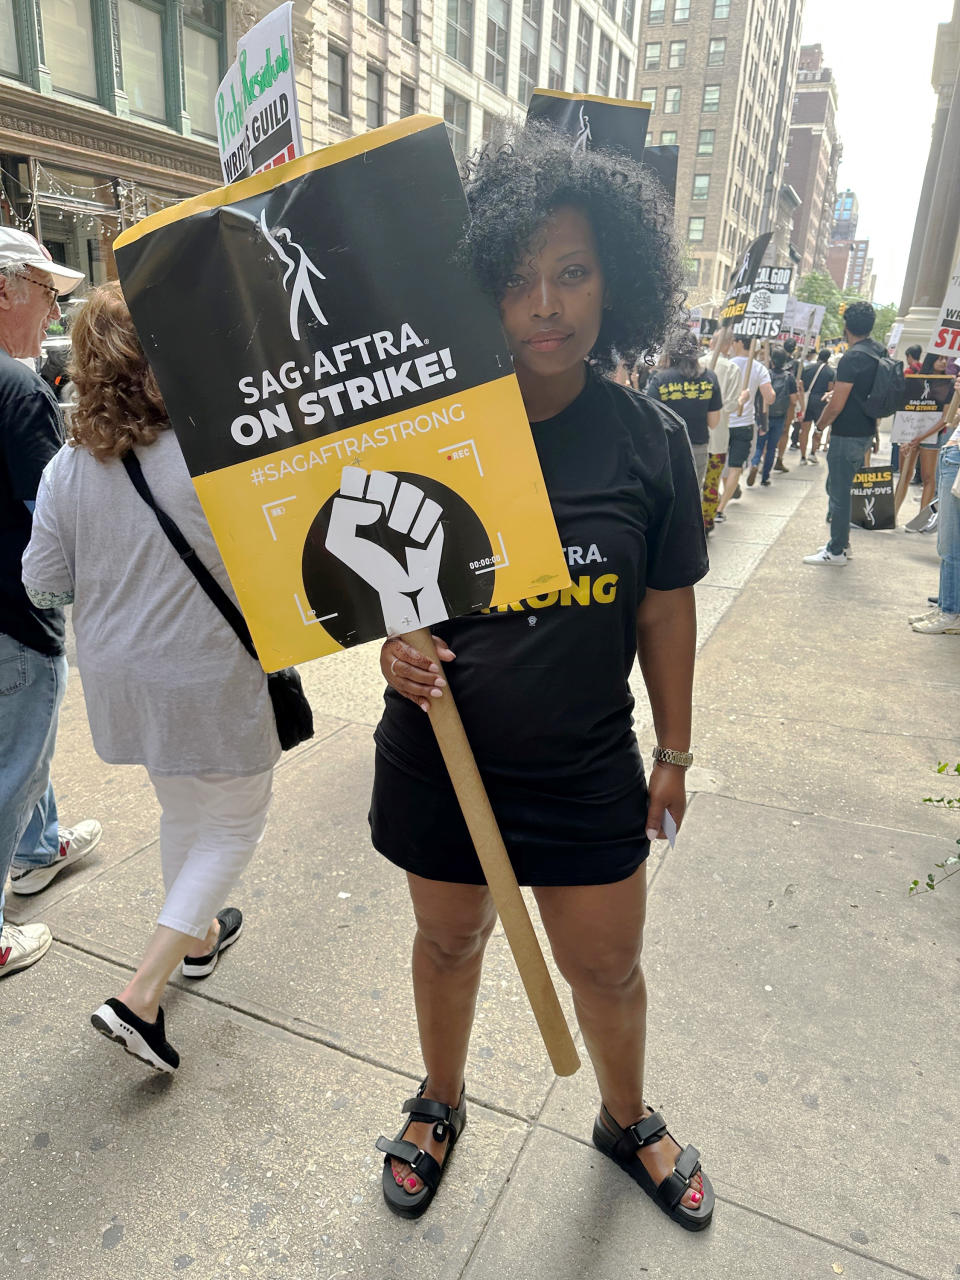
(781, 396)
(889, 390)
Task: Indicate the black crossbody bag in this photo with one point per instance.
(290, 706)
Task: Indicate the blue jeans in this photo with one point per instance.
(948, 531)
(845, 456)
(767, 445)
(31, 690)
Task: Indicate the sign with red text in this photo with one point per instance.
(945, 338)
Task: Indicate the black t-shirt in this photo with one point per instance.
(820, 378)
(858, 367)
(543, 685)
(692, 397)
(31, 432)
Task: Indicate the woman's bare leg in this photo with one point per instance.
(454, 922)
(596, 933)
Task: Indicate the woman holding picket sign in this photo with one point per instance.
(578, 251)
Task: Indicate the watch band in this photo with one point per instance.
(667, 756)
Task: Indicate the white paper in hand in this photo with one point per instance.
(670, 827)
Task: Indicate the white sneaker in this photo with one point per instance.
(823, 556)
(922, 617)
(75, 843)
(847, 551)
(22, 945)
(941, 624)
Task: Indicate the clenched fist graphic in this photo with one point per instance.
(409, 593)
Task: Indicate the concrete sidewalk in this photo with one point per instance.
(802, 1007)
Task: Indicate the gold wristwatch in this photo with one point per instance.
(666, 756)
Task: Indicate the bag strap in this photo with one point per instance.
(205, 579)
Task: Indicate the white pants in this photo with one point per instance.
(209, 829)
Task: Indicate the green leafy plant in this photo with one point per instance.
(953, 862)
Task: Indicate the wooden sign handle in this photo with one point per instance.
(507, 898)
(953, 412)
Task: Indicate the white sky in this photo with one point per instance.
(881, 53)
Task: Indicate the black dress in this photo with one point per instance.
(543, 685)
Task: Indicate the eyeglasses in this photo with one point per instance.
(51, 289)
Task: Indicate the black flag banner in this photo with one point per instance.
(742, 278)
(592, 122)
(343, 395)
(663, 161)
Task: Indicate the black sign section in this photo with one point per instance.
(742, 278)
(309, 332)
(593, 123)
(663, 161)
(872, 499)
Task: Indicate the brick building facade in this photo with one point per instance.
(813, 158)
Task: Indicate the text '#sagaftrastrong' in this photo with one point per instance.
(267, 391)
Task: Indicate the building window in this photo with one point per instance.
(487, 127)
(651, 56)
(705, 142)
(498, 22)
(695, 229)
(623, 75)
(701, 186)
(655, 13)
(460, 31)
(627, 15)
(711, 97)
(408, 98)
(668, 138)
(68, 45)
(408, 20)
(671, 101)
(202, 63)
(721, 8)
(141, 46)
(376, 10)
(717, 52)
(456, 113)
(9, 57)
(374, 98)
(529, 49)
(337, 97)
(681, 10)
(604, 63)
(610, 6)
(691, 272)
(678, 54)
(581, 61)
(559, 33)
(649, 96)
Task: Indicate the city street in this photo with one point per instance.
(801, 1005)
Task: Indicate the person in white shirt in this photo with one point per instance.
(730, 379)
(742, 424)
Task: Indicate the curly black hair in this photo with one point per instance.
(524, 175)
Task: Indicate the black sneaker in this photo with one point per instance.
(737, 493)
(231, 922)
(766, 483)
(144, 1040)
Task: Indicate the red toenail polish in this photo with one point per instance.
(695, 1197)
(411, 1183)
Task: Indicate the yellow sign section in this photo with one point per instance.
(327, 540)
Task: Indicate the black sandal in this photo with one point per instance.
(621, 1145)
(447, 1121)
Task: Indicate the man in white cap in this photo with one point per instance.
(33, 667)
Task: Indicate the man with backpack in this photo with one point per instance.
(869, 385)
(780, 412)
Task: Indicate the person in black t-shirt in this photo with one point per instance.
(817, 378)
(33, 669)
(692, 392)
(576, 251)
(852, 427)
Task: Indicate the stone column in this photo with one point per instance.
(923, 208)
(943, 221)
